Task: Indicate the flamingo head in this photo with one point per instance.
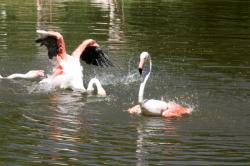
(35, 74)
(144, 56)
(135, 110)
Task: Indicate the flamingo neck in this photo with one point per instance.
(143, 84)
(96, 82)
(12, 76)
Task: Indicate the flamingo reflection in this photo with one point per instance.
(64, 127)
(116, 18)
(154, 134)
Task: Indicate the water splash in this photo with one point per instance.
(111, 79)
(40, 88)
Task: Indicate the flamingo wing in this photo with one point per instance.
(95, 56)
(50, 40)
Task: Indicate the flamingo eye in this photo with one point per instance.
(145, 58)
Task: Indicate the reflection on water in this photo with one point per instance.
(63, 126)
(44, 15)
(3, 34)
(116, 18)
(200, 55)
(150, 130)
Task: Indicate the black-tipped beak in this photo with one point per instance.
(140, 71)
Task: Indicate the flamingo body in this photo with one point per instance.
(71, 76)
(175, 110)
(154, 107)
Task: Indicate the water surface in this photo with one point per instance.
(200, 58)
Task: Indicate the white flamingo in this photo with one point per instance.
(155, 107)
(96, 82)
(32, 74)
(67, 72)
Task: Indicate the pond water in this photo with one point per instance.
(200, 54)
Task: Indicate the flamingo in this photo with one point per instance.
(67, 72)
(154, 107)
(32, 74)
(96, 82)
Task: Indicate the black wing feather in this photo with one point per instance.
(95, 56)
(51, 43)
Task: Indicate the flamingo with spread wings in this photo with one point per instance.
(67, 72)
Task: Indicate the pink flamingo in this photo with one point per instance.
(155, 107)
(67, 72)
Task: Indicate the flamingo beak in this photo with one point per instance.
(140, 67)
(140, 71)
(96, 45)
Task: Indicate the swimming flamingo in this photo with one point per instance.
(67, 72)
(155, 107)
(32, 74)
(96, 82)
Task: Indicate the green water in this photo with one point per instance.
(200, 54)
